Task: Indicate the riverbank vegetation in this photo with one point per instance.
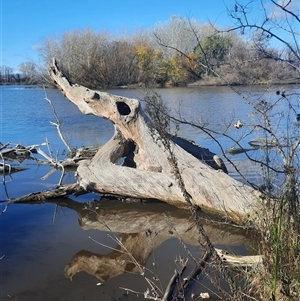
(276, 219)
(177, 52)
(276, 119)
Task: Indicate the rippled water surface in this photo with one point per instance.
(42, 245)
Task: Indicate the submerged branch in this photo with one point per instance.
(178, 286)
(43, 196)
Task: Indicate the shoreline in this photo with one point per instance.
(211, 82)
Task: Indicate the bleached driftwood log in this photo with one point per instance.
(148, 174)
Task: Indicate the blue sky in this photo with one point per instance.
(25, 23)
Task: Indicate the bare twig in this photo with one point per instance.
(57, 123)
(55, 163)
(4, 185)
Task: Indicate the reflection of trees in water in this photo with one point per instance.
(9, 154)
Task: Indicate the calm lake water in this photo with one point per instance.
(41, 244)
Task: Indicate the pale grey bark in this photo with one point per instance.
(150, 175)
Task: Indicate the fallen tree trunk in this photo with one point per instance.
(148, 173)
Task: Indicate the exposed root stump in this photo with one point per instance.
(146, 171)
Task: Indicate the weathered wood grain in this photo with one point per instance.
(150, 175)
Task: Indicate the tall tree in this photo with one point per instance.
(213, 51)
(30, 73)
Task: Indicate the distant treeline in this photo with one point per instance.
(28, 74)
(177, 52)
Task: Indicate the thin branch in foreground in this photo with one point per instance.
(4, 185)
(52, 162)
(57, 124)
(203, 238)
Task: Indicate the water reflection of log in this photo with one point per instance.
(8, 169)
(140, 229)
(17, 153)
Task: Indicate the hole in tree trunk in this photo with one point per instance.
(127, 158)
(123, 108)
